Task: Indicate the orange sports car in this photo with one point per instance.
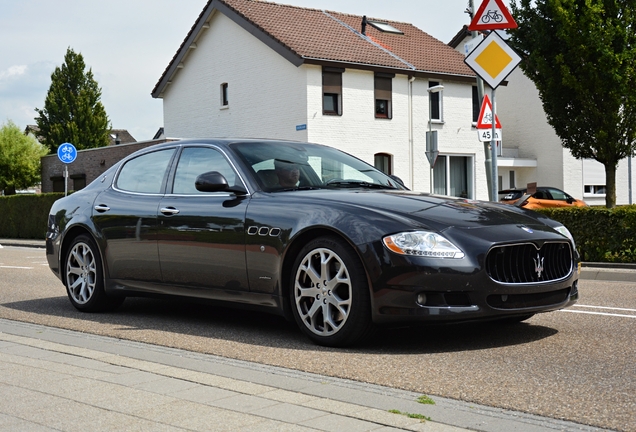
(544, 197)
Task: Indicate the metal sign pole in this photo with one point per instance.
(65, 180)
(494, 182)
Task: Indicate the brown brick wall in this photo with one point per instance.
(89, 163)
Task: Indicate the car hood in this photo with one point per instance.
(435, 211)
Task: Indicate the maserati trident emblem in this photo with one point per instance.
(538, 265)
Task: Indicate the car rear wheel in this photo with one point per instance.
(84, 277)
(330, 295)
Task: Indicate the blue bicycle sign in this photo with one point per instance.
(67, 153)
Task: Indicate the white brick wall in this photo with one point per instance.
(268, 97)
(267, 94)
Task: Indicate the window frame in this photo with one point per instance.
(476, 105)
(470, 174)
(332, 86)
(225, 102)
(387, 159)
(436, 102)
(383, 91)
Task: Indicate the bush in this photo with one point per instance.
(26, 216)
(601, 234)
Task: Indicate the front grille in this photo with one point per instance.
(525, 263)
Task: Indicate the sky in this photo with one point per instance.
(129, 43)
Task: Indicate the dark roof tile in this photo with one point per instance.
(317, 36)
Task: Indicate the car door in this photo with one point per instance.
(201, 236)
(560, 198)
(126, 217)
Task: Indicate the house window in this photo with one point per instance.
(332, 91)
(58, 183)
(594, 189)
(224, 99)
(512, 179)
(384, 27)
(476, 105)
(435, 99)
(383, 162)
(453, 176)
(383, 95)
(79, 181)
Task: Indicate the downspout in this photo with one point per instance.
(411, 144)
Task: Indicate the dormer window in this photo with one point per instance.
(384, 27)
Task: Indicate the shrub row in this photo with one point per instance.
(601, 234)
(25, 216)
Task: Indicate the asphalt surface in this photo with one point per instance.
(567, 366)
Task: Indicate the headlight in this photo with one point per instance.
(564, 232)
(422, 243)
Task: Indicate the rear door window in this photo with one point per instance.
(145, 173)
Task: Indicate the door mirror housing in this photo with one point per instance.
(214, 181)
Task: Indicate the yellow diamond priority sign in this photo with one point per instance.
(493, 60)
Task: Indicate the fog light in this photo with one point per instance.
(421, 299)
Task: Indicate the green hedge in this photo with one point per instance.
(25, 216)
(601, 234)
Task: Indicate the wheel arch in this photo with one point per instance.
(292, 253)
(71, 235)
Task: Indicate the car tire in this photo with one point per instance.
(84, 277)
(329, 293)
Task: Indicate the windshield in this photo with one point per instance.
(292, 166)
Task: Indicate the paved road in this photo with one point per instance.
(577, 365)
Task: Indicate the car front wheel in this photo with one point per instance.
(330, 295)
(84, 277)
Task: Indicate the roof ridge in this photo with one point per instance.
(368, 39)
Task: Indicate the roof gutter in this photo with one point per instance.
(376, 68)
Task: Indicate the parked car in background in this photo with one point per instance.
(305, 231)
(543, 197)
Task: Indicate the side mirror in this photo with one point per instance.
(214, 181)
(570, 200)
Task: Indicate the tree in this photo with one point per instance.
(72, 110)
(581, 55)
(19, 159)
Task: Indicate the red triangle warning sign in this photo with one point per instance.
(484, 121)
(492, 15)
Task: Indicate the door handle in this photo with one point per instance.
(169, 211)
(101, 208)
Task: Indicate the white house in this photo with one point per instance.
(532, 152)
(252, 68)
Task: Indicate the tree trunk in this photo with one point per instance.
(610, 185)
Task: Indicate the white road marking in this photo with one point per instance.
(597, 313)
(604, 307)
(17, 267)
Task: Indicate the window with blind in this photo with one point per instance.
(332, 91)
(383, 95)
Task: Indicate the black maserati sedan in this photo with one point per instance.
(305, 231)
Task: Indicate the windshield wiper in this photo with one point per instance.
(356, 183)
(297, 188)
